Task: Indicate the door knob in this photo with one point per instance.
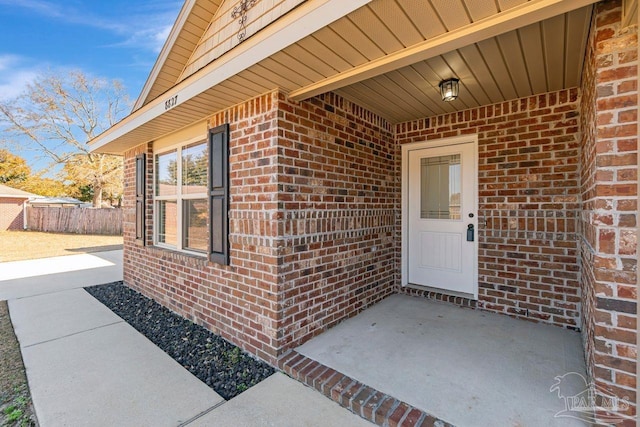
(470, 233)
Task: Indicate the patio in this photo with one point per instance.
(337, 172)
(470, 368)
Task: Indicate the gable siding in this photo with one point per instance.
(222, 34)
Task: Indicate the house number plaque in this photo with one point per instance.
(171, 102)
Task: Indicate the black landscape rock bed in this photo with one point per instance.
(221, 365)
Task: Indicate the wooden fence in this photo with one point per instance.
(75, 220)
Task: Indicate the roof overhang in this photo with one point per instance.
(7, 192)
(273, 59)
(299, 23)
(15, 196)
(190, 25)
(187, 7)
(486, 28)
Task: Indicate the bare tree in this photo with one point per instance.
(58, 114)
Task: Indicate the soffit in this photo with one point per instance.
(190, 25)
(629, 12)
(545, 54)
(538, 58)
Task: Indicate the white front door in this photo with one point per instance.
(440, 207)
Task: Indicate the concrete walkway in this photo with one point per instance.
(21, 279)
(88, 367)
(468, 367)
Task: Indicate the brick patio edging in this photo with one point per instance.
(362, 400)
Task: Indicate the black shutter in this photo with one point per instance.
(140, 197)
(219, 194)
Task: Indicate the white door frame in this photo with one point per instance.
(406, 148)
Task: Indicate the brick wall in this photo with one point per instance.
(314, 218)
(315, 214)
(11, 213)
(528, 186)
(339, 198)
(609, 194)
(587, 229)
(238, 301)
(313, 225)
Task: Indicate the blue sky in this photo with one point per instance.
(115, 39)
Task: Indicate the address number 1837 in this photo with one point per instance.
(171, 102)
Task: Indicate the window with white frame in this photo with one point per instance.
(181, 202)
(191, 197)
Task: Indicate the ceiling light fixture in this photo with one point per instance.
(449, 89)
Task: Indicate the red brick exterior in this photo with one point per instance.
(315, 214)
(312, 226)
(528, 202)
(609, 195)
(239, 301)
(314, 218)
(339, 200)
(11, 213)
(367, 402)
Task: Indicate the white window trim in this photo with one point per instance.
(178, 197)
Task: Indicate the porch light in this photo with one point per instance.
(449, 89)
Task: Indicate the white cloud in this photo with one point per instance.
(161, 36)
(149, 38)
(15, 83)
(39, 6)
(145, 24)
(15, 74)
(8, 61)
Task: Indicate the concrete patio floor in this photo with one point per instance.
(468, 367)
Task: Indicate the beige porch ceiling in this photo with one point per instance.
(389, 56)
(540, 57)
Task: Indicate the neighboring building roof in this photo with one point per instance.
(10, 192)
(57, 201)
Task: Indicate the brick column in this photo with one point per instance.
(610, 194)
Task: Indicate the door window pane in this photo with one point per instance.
(195, 217)
(440, 187)
(194, 169)
(168, 222)
(166, 174)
